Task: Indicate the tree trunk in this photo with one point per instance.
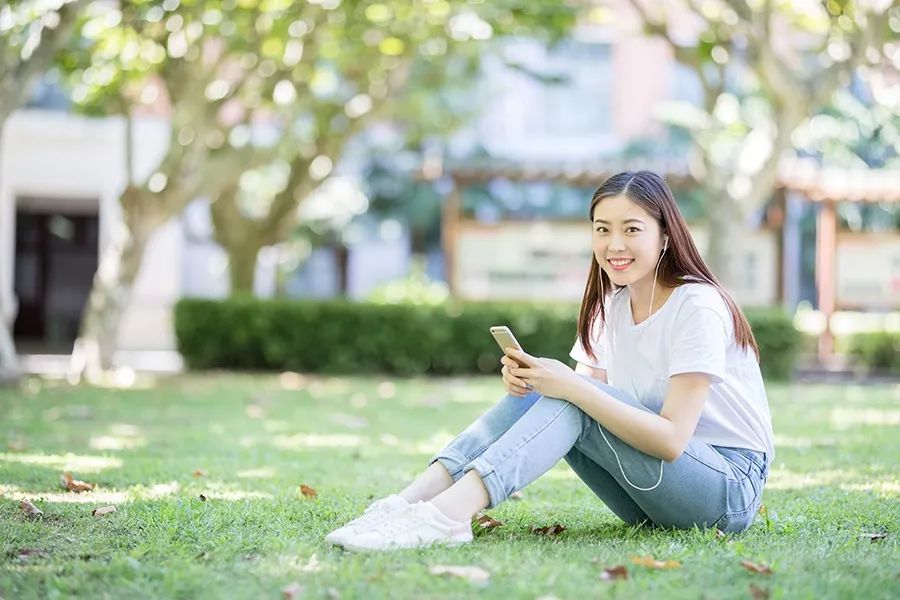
(242, 265)
(9, 358)
(111, 290)
(726, 236)
(240, 237)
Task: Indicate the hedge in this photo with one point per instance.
(339, 336)
(877, 352)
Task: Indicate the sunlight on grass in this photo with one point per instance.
(275, 426)
(263, 473)
(66, 462)
(160, 490)
(884, 488)
(138, 492)
(428, 446)
(842, 418)
(293, 564)
(238, 495)
(92, 497)
(790, 441)
(317, 440)
(121, 436)
(783, 479)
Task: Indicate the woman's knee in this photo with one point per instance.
(580, 420)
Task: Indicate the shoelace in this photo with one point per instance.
(374, 514)
(391, 526)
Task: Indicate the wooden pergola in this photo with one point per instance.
(827, 187)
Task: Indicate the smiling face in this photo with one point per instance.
(626, 241)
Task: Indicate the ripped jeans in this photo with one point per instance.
(519, 439)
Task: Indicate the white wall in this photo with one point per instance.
(73, 163)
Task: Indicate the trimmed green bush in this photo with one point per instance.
(339, 336)
(779, 343)
(879, 351)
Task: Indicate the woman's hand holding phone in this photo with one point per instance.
(545, 376)
(513, 384)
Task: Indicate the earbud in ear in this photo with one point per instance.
(665, 243)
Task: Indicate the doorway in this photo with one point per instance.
(56, 258)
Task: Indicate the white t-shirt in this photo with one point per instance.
(691, 332)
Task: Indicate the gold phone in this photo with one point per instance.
(505, 339)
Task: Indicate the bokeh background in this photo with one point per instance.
(362, 186)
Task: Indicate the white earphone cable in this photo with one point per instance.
(600, 427)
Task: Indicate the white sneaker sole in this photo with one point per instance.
(339, 536)
(353, 547)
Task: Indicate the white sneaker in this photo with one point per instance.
(376, 511)
(417, 526)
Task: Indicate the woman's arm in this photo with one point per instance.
(665, 435)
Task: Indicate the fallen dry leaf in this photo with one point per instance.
(614, 573)
(103, 510)
(550, 531)
(199, 473)
(758, 593)
(75, 485)
(31, 511)
(652, 563)
(27, 553)
(874, 536)
(487, 522)
(756, 568)
(473, 574)
(291, 591)
(308, 491)
(516, 496)
(203, 498)
(720, 534)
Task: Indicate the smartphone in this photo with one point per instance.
(505, 339)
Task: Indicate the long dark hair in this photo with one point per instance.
(682, 262)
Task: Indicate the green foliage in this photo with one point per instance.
(416, 288)
(877, 351)
(403, 339)
(779, 343)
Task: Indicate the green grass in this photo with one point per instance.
(354, 439)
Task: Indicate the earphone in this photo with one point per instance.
(616, 454)
(655, 273)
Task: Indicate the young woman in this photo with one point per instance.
(665, 417)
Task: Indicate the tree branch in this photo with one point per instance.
(15, 87)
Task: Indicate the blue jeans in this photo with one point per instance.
(519, 439)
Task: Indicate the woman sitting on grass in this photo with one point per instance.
(665, 417)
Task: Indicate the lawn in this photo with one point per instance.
(246, 443)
